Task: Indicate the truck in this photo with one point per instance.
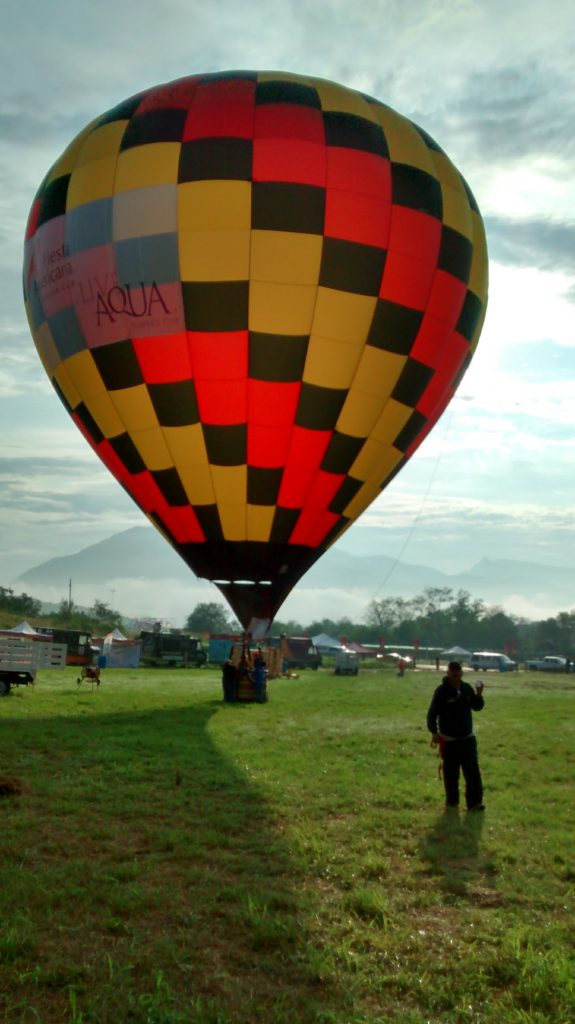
(22, 656)
(171, 649)
(548, 663)
(299, 652)
(80, 649)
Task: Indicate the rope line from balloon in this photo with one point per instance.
(409, 535)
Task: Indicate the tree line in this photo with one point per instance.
(438, 617)
(99, 619)
(443, 617)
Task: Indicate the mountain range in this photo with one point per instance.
(139, 564)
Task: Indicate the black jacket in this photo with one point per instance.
(450, 710)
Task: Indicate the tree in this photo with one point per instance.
(20, 604)
(336, 628)
(499, 630)
(105, 618)
(556, 636)
(387, 615)
(290, 628)
(210, 617)
(29, 605)
(466, 612)
(66, 610)
(566, 623)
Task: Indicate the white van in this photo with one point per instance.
(482, 661)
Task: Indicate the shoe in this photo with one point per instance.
(477, 807)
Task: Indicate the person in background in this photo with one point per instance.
(259, 677)
(229, 679)
(450, 722)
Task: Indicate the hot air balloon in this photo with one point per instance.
(255, 293)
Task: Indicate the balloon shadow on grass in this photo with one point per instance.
(161, 879)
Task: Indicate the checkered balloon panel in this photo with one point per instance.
(255, 293)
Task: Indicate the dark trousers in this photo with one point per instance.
(230, 690)
(462, 754)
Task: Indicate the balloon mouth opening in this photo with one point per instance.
(255, 602)
(243, 583)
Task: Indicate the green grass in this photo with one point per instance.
(174, 860)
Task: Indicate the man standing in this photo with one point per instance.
(229, 679)
(450, 722)
(259, 676)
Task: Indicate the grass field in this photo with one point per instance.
(175, 860)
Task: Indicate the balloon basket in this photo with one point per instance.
(247, 693)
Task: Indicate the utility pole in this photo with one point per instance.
(69, 597)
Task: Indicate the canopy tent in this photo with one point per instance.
(456, 654)
(116, 634)
(326, 644)
(24, 629)
(119, 652)
(364, 652)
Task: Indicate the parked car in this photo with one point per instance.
(483, 661)
(549, 663)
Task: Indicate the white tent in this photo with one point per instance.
(119, 652)
(326, 644)
(456, 654)
(116, 634)
(24, 629)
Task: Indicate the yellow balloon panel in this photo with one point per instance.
(215, 206)
(214, 255)
(147, 166)
(288, 256)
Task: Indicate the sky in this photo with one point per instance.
(494, 84)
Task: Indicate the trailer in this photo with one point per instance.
(299, 652)
(22, 656)
(172, 649)
(346, 662)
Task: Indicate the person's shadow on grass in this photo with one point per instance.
(452, 851)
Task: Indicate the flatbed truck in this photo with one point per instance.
(21, 657)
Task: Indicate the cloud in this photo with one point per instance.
(526, 305)
(546, 244)
(26, 126)
(20, 370)
(518, 111)
(398, 511)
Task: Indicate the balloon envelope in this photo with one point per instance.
(255, 292)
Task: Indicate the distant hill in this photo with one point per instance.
(142, 554)
(138, 553)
